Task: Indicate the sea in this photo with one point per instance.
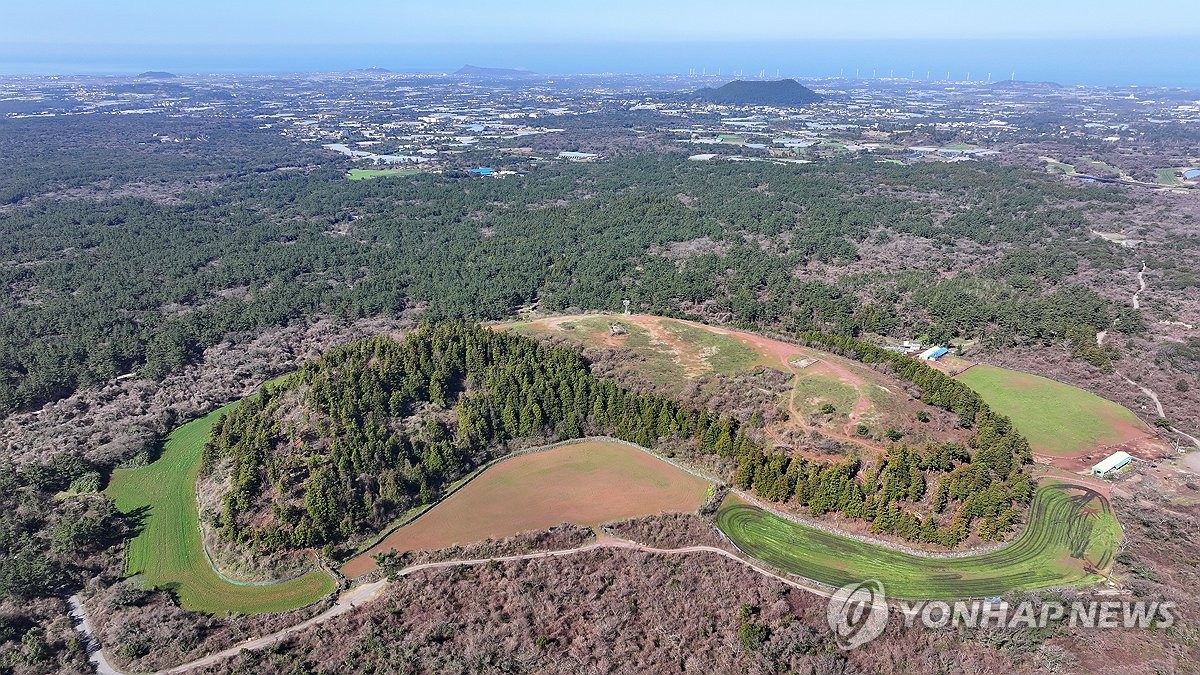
(1169, 62)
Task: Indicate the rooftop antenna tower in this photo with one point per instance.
(1013, 76)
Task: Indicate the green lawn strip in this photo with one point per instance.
(167, 553)
(364, 174)
(1058, 419)
(1071, 532)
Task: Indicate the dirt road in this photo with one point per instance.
(84, 627)
(369, 592)
(1158, 406)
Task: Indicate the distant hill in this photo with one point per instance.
(372, 69)
(1027, 85)
(481, 71)
(156, 75)
(778, 92)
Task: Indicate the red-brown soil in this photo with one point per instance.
(583, 483)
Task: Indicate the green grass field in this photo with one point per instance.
(1058, 419)
(363, 174)
(1168, 177)
(1071, 534)
(167, 553)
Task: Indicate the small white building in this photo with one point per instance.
(1112, 463)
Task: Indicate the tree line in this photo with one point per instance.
(373, 429)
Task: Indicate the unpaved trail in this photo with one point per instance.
(370, 592)
(348, 601)
(784, 353)
(84, 627)
(1141, 277)
(1162, 413)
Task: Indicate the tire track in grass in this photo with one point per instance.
(1053, 550)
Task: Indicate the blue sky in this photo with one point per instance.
(1067, 41)
(61, 23)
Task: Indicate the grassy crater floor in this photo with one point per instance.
(1070, 538)
(167, 552)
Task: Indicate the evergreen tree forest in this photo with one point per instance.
(354, 439)
(95, 289)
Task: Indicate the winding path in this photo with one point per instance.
(1162, 413)
(371, 591)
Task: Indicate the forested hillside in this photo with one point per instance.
(94, 289)
(372, 429)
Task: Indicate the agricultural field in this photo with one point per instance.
(838, 397)
(364, 174)
(1059, 420)
(586, 483)
(1070, 538)
(1168, 176)
(167, 553)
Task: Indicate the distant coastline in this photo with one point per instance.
(1168, 62)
